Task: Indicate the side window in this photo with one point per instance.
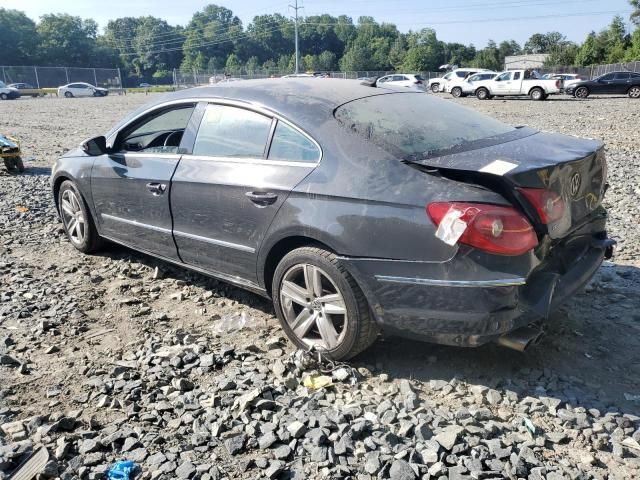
(160, 131)
(609, 76)
(291, 145)
(622, 76)
(504, 76)
(474, 78)
(384, 79)
(461, 74)
(516, 76)
(232, 132)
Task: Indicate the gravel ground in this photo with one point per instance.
(120, 356)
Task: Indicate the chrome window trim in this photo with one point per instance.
(213, 241)
(250, 160)
(504, 282)
(135, 223)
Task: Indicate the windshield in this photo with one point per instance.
(414, 124)
(2, 84)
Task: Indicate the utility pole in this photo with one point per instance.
(296, 8)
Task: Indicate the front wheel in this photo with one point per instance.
(320, 306)
(435, 87)
(581, 92)
(537, 94)
(456, 92)
(482, 94)
(76, 219)
(68, 94)
(4, 96)
(634, 92)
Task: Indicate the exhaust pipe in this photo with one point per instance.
(521, 339)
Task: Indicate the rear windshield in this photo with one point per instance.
(417, 124)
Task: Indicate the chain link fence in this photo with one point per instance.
(53, 77)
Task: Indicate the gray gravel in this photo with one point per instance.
(120, 356)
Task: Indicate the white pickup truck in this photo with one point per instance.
(518, 82)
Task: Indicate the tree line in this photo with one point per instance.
(148, 48)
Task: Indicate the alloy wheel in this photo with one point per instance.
(313, 306)
(456, 92)
(73, 217)
(582, 92)
(634, 92)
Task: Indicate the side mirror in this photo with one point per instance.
(95, 146)
(497, 79)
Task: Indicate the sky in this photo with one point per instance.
(463, 21)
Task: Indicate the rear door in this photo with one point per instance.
(226, 193)
(131, 187)
(621, 82)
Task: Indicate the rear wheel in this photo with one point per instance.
(435, 87)
(4, 96)
(456, 92)
(68, 94)
(482, 94)
(634, 92)
(581, 92)
(76, 219)
(537, 94)
(320, 306)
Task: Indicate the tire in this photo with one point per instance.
(482, 94)
(537, 94)
(4, 96)
(581, 92)
(456, 92)
(68, 94)
(86, 239)
(19, 164)
(634, 92)
(352, 328)
(435, 88)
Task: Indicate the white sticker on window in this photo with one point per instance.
(451, 227)
(498, 167)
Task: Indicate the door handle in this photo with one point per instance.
(156, 188)
(262, 199)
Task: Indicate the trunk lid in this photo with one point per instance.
(573, 168)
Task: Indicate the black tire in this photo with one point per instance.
(482, 94)
(536, 94)
(581, 92)
(634, 91)
(68, 95)
(91, 241)
(435, 88)
(361, 329)
(456, 92)
(4, 96)
(19, 164)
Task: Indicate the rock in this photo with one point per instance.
(235, 444)
(401, 470)
(494, 397)
(185, 470)
(275, 467)
(296, 429)
(447, 438)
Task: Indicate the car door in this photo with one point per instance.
(502, 84)
(131, 186)
(226, 193)
(383, 80)
(603, 84)
(621, 82)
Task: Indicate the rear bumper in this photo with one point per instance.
(463, 303)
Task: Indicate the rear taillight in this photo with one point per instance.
(491, 228)
(558, 83)
(548, 204)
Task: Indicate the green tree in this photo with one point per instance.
(425, 53)
(544, 42)
(635, 15)
(591, 52)
(633, 52)
(19, 38)
(66, 40)
(615, 40)
(157, 46)
(489, 57)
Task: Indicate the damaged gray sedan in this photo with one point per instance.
(354, 209)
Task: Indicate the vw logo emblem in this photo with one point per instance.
(576, 180)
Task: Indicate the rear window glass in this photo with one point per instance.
(289, 144)
(415, 124)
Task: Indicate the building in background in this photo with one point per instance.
(516, 62)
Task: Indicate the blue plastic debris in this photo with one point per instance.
(121, 470)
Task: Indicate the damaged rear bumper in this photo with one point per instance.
(464, 303)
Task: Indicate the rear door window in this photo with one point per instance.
(416, 125)
(227, 131)
(622, 76)
(289, 144)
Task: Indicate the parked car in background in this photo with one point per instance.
(621, 83)
(27, 89)
(518, 83)
(81, 89)
(468, 86)
(567, 78)
(252, 183)
(8, 93)
(395, 80)
(440, 84)
(145, 85)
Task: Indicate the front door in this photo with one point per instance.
(225, 195)
(502, 84)
(131, 186)
(604, 84)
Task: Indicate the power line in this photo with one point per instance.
(296, 8)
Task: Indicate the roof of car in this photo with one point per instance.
(285, 94)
